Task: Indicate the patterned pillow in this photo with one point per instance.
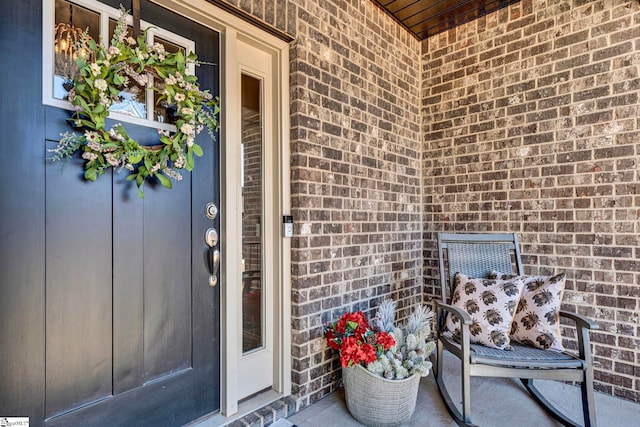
(491, 305)
(537, 320)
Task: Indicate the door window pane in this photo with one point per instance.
(137, 99)
(163, 112)
(70, 22)
(132, 101)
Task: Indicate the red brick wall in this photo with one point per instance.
(531, 125)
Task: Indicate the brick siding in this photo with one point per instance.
(525, 121)
(356, 166)
(531, 125)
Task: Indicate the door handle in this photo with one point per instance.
(211, 238)
(214, 266)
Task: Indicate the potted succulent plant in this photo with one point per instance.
(382, 362)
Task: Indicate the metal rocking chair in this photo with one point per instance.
(476, 255)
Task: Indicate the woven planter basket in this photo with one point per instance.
(377, 401)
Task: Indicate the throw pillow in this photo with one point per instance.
(491, 305)
(537, 320)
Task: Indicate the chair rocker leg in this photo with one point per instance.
(436, 361)
(463, 421)
(554, 412)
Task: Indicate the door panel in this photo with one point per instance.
(78, 277)
(128, 294)
(131, 321)
(22, 249)
(167, 265)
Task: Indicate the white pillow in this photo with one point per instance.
(491, 305)
(537, 320)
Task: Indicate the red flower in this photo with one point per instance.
(349, 352)
(331, 340)
(356, 340)
(352, 324)
(385, 340)
(367, 353)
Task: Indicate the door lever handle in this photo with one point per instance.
(214, 266)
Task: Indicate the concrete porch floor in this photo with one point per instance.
(496, 402)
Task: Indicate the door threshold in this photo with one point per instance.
(245, 408)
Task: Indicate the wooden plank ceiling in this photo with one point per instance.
(425, 18)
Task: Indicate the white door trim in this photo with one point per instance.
(231, 29)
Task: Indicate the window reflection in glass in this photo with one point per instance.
(132, 101)
(163, 112)
(70, 22)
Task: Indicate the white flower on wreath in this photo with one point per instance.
(155, 168)
(179, 97)
(187, 129)
(95, 69)
(95, 146)
(172, 174)
(158, 47)
(101, 84)
(180, 162)
(141, 79)
(91, 136)
(141, 55)
(112, 160)
(115, 135)
(170, 81)
(113, 50)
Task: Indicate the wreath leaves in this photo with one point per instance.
(104, 72)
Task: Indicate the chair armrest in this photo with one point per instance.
(581, 321)
(460, 314)
(465, 321)
(583, 325)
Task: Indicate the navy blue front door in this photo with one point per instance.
(123, 326)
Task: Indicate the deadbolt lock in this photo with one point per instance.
(211, 210)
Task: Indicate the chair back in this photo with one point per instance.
(476, 255)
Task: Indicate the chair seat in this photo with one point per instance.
(520, 356)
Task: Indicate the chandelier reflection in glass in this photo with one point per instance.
(67, 42)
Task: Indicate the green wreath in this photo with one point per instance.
(106, 71)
